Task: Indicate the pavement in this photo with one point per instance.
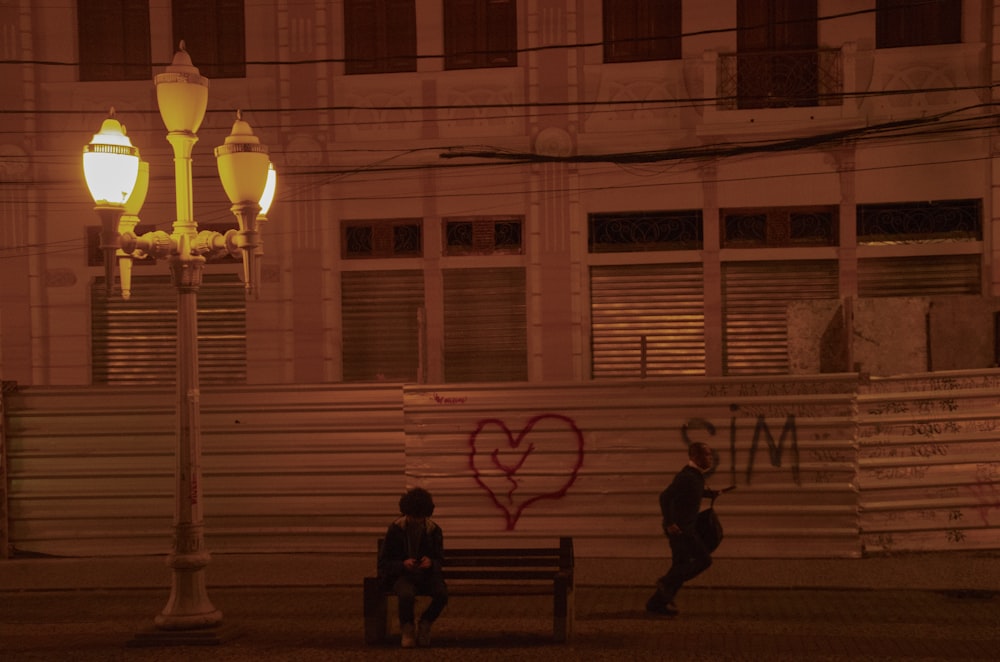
(304, 607)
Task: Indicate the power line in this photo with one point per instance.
(273, 228)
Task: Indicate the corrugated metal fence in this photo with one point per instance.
(929, 462)
(284, 468)
(589, 460)
(825, 466)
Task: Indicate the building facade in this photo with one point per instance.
(520, 190)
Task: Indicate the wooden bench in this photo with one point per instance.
(491, 572)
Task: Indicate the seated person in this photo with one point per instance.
(410, 564)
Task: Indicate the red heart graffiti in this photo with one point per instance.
(497, 460)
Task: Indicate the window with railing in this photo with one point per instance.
(778, 227)
(489, 235)
(920, 222)
(402, 237)
(778, 63)
(789, 79)
(645, 231)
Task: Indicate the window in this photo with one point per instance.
(920, 276)
(779, 227)
(372, 239)
(214, 33)
(645, 231)
(134, 341)
(778, 64)
(917, 22)
(483, 236)
(114, 40)
(920, 222)
(647, 320)
(636, 30)
(380, 36)
(380, 312)
(480, 33)
(755, 300)
(485, 325)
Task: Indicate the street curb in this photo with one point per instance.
(958, 571)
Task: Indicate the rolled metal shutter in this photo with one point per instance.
(755, 300)
(920, 276)
(485, 325)
(134, 341)
(380, 324)
(661, 304)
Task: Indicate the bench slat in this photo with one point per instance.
(488, 574)
(516, 552)
(500, 589)
(482, 562)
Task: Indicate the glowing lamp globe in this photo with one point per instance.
(111, 164)
(268, 196)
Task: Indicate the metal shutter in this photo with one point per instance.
(485, 325)
(920, 276)
(380, 324)
(755, 298)
(134, 341)
(663, 303)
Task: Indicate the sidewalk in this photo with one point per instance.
(304, 607)
(302, 624)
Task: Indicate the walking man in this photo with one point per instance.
(679, 504)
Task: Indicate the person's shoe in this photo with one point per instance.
(424, 634)
(409, 639)
(654, 606)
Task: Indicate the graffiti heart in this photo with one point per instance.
(540, 462)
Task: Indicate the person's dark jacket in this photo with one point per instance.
(395, 550)
(681, 501)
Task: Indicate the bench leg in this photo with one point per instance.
(562, 610)
(376, 611)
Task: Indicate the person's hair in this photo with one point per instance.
(417, 502)
(696, 447)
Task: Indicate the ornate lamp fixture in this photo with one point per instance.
(118, 181)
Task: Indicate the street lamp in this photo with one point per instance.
(111, 167)
(117, 180)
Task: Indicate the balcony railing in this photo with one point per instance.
(780, 79)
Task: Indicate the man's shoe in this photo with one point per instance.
(654, 606)
(409, 639)
(424, 634)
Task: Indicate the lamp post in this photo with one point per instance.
(112, 168)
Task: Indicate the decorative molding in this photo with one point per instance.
(554, 141)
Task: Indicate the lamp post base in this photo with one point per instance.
(189, 607)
